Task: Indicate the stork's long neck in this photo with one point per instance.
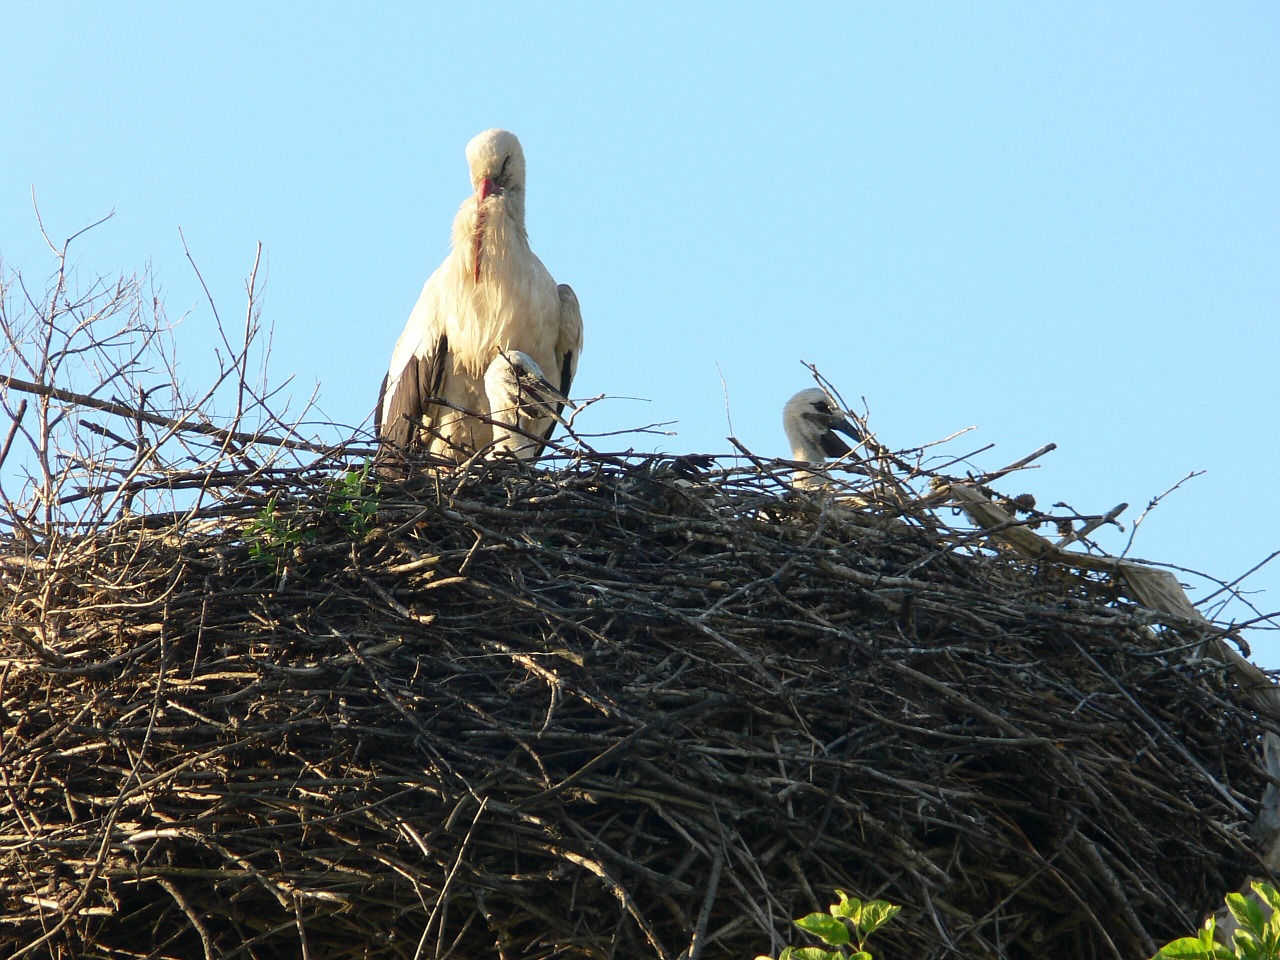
(489, 230)
(803, 447)
(507, 408)
(505, 411)
(477, 243)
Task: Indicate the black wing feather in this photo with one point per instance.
(566, 381)
(407, 410)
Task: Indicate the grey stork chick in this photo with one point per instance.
(523, 402)
(491, 294)
(810, 419)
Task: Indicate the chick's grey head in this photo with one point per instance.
(810, 419)
(514, 382)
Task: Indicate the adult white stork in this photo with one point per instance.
(491, 295)
(520, 398)
(810, 419)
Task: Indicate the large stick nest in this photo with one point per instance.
(604, 710)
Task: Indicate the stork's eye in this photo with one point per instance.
(503, 171)
(822, 406)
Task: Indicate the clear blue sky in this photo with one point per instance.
(1056, 223)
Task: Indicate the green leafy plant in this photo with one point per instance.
(272, 536)
(353, 497)
(845, 928)
(1256, 937)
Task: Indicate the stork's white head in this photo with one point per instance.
(497, 175)
(810, 419)
(497, 164)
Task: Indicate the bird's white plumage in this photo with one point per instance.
(522, 401)
(490, 294)
(810, 419)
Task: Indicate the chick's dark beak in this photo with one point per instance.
(537, 391)
(844, 426)
(832, 446)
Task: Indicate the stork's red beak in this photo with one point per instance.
(487, 188)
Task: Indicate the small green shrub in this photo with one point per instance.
(273, 536)
(1257, 935)
(353, 498)
(846, 927)
(350, 498)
